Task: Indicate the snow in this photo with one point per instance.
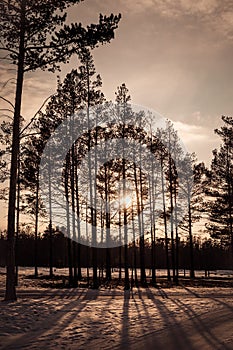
(81, 318)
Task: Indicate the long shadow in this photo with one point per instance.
(145, 306)
(104, 308)
(124, 342)
(222, 303)
(190, 291)
(49, 294)
(52, 323)
(177, 332)
(162, 293)
(200, 325)
(148, 317)
(206, 333)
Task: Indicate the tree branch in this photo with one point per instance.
(5, 84)
(4, 99)
(6, 116)
(9, 50)
(6, 109)
(35, 115)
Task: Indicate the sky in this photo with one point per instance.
(174, 56)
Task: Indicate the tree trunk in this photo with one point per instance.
(177, 235)
(10, 294)
(17, 225)
(79, 228)
(93, 212)
(72, 175)
(36, 224)
(50, 220)
(172, 214)
(107, 216)
(152, 219)
(69, 251)
(126, 265)
(165, 223)
(120, 251)
(152, 210)
(192, 274)
(134, 264)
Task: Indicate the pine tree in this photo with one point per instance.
(29, 177)
(122, 99)
(193, 188)
(80, 89)
(221, 186)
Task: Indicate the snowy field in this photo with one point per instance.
(144, 318)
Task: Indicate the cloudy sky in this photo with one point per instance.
(174, 56)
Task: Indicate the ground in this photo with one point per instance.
(181, 317)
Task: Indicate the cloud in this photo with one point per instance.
(197, 138)
(174, 8)
(206, 7)
(217, 15)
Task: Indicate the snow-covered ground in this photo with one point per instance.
(144, 318)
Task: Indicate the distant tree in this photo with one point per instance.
(165, 212)
(169, 162)
(193, 187)
(220, 190)
(122, 99)
(29, 177)
(80, 89)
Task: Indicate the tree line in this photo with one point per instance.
(208, 254)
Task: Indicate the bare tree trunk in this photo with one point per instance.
(72, 175)
(50, 219)
(152, 219)
(10, 293)
(93, 212)
(165, 222)
(142, 239)
(192, 273)
(69, 250)
(171, 209)
(177, 236)
(120, 236)
(230, 194)
(127, 284)
(17, 225)
(134, 265)
(36, 224)
(120, 252)
(102, 240)
(87, 247)
(152, 210)
(107, 221)
(79, 227)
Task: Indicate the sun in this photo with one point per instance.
(126, 201)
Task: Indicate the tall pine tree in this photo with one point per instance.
(221, 186)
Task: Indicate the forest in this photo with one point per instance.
(161, 207)
(115, 235)
(109, 185)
